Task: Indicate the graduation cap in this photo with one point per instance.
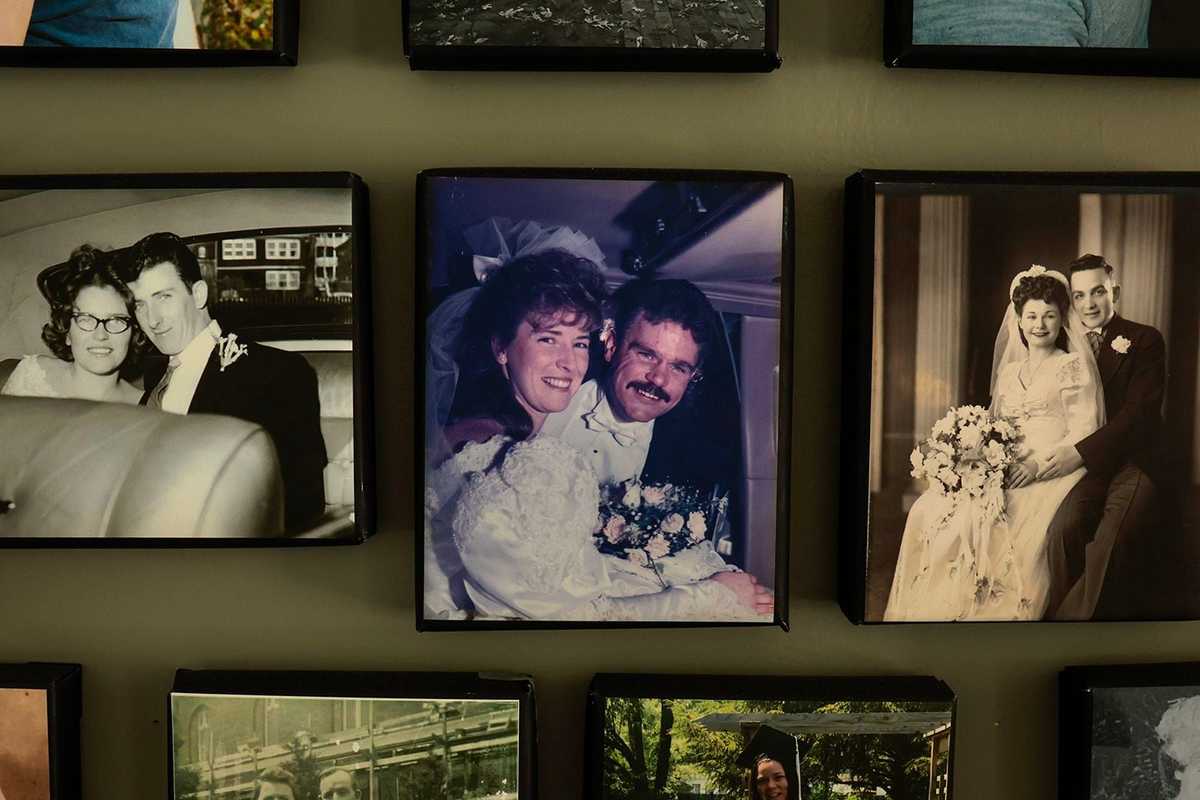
(778, 746)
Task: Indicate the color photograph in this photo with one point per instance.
(603, 398)
(1032, 451)
(24, 745)
(178, 363)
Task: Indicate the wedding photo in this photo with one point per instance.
(1024, 378)
(257, 747)
(24, 745)
(604, 399)
(788, 747)
(177, 363)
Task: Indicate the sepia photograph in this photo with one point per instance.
(601, 34)
(177, 363)
(1113, 36)
(891, 740)
(1131, 732)
(150, 32)
(39, 731)
(1022, 378)
(604, 397)
(469, 744)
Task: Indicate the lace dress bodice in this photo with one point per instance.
(1057, 407)
(28, 379)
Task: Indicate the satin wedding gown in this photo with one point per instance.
(952, 571)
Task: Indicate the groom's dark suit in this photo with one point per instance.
(277, 390)
(1095, 545)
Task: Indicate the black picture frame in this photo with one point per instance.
(63, 685)
(1094, 727)
(860, 291)
(284, 52)
(899, 50)
(360, 522)
(424, 246)
(347, 685)
(900, 688)
(604, 59)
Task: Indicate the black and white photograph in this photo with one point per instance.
(148, 32)
(426, 746)
(1101, 36)
(717, 35)
(177, 360)
(605, 397)
(663, 737)
(39, 731)
(1130, 732)
(1022, 383)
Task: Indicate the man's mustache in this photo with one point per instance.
(650, 389)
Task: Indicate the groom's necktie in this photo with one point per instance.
(160, 391)
(1094, 339)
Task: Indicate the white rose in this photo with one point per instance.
(653, 496)
(697, 525)
(633, 496)
(672, 524)
(614, 529)
(970, 437)
(638, 557)
(658, 547)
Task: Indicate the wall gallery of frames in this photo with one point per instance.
(450, 400)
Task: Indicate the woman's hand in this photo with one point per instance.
(1021, 474)
(749, 593)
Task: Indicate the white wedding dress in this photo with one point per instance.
(952, 571)
(28, 379)
(508, 530)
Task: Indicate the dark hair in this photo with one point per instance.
(155, 249)
(276, 775)
(674, 300)
(1089, 262)
(1048, 290)
(789, 770)
(88, 266)
(537, 287)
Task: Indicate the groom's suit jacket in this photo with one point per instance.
(1134, 383)
(277, 390)
(686, 449)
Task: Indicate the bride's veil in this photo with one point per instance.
(1009, 347)
(493, 243)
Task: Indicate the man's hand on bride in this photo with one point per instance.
(1021, 474)
(1063, 461)
(748, 590)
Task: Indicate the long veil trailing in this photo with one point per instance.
(1009, 347)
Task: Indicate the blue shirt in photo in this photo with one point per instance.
(102, 23)
(1039, 23)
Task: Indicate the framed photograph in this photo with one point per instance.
(1020, 408)
(697, 36)
(605, 397)
(351, 736)
(1108, 37)
(1129, 732)
(40, 709)
(652, 737)
(185, 359)
(149, 33)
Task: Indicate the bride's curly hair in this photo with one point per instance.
(1048, 290)
(87, 266)
(554, 284)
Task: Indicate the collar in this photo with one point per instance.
(200, 348)
(600, 418)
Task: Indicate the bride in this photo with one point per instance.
(1045, 382)
(509, 514)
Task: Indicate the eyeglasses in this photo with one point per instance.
(89, 323)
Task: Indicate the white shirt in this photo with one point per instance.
(192, 361)
(616, 450)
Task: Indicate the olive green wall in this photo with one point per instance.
(132, 617)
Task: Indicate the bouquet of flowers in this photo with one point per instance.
(647, 522)
(966, 455)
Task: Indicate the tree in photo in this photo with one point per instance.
(637, 749)
(886, 766)
(237, 24)
(304, 765)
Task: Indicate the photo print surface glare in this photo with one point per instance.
(604, 397)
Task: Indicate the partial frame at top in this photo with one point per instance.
(604, 35)
(159, 33)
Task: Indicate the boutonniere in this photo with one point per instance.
(229, 351)
(1121, 345)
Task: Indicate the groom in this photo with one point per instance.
(1098, 535)
(211, 371)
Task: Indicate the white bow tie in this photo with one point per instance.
(623, 433)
